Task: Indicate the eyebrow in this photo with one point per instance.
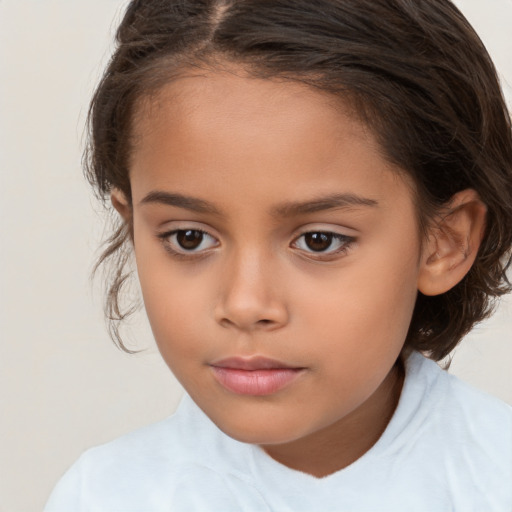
(283, 210)
(181, 201)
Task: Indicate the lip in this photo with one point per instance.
(251, 363)
(256, 376)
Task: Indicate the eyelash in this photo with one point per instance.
(345, 240)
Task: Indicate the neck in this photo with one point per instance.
(345, 441)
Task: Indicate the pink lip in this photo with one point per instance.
(255, 376)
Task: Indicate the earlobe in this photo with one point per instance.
(121, 204)
(452, 244)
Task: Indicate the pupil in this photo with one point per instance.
(189, 239)
(318, 241)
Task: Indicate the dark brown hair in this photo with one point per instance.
(415, 71)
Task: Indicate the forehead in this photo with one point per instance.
(210, 130)
(211, 102)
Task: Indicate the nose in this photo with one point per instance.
(251, 297)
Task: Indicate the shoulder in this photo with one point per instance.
(459, 407)
(485, 420)
(465, 407)
(448, 391)
(462, 435)
(133, 471)
(144, 456)
(173, 462)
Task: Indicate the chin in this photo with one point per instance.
(260, 438)
(258, 432)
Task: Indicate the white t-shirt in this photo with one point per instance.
(448, 447)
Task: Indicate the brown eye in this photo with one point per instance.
(324, 243)
(187, 242)
(189, 239)
(318, 241)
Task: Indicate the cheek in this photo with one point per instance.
(359, 331)
(178, 324)
(364, 312)
(174, 304)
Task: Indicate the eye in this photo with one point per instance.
(183, 241)
(324, 242)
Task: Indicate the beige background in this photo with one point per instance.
(63, 385)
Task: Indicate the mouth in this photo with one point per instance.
(256, 376)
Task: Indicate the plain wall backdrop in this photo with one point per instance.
(63, 385)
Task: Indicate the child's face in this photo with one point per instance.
(333, 310)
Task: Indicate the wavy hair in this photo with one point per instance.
(416, 72)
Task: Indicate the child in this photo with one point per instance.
(319, 200)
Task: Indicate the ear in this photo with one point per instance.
(452, 243)
(121, 204)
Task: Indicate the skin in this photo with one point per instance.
(254, 287)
